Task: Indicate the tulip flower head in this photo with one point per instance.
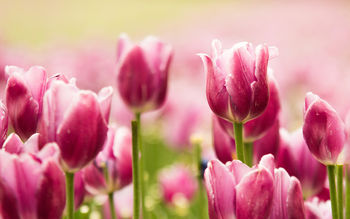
(237, 83)
(24, 98)
(143, 73)
(323, 130)
(75, 120)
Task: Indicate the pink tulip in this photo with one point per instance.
(3, 123)
(75, 119)
(323, 130)
(24, 98)
(143, 72)
(258, 127)
(177, 182)
(236, 191)
(295, 157)
(237, 84)
(31, 188)
(123, 203)
(115, 160)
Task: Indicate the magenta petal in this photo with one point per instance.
(51, 195)
(224, 145)
(94, 179)
(3, 123)
(254, 195)
(123, 46)
(220, 191)
(79, 189)
(8, 202)
(13, 144)
(268, 144)
(36, 81)
(295, 201)
(238, 170)
(268, 162)
(82, 133)
(216, 92)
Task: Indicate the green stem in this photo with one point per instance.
(248, 153)
(198, 160)
(70, 195)
(141, 167)
(347, 192)
(111, 205)
(238, 130)
(332, 190)
(135, 170)
(340, 190)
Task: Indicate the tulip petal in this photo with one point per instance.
(220, 191)
(105, 100)
(13, 144)
(295, 201)
(254, 195)
(223, 144)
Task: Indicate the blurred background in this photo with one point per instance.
(78, 38)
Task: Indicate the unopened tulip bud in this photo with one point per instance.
(143, 72)
(323, 130)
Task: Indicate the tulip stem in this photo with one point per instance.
(347, 192)
(135, 169)
(248, 153)
(332, 190)
(238, 130)
(111, 205)
(70, 195)
(141, 167)
(340, 190)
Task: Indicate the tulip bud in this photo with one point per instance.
(143, 73)
(323, 130)
(24, 97)
(177, 182)
(258, 127)
(34, 189)
(112, 169)
(74, 119)
(295, 157)
(237, 85)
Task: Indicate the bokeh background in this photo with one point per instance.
(78, 38)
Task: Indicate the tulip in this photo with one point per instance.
(177, 184)
(123, 204)
(324, 134)
(143, 73)
(24, 98)
(112, 169)
(76, 120)
(31, 188)
(323, 130)
(295, 157)
(236, 191)
(237, 84)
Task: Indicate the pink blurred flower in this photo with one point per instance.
(177, 182)
(76, 120)
(143, 72)
(323, 130)
(115, 160)
(317, 209)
